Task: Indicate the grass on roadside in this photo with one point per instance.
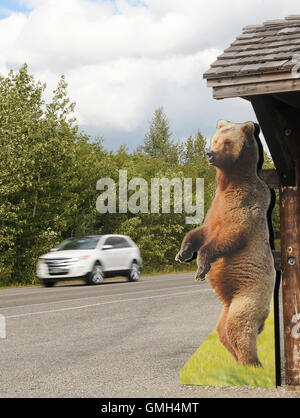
(212, 365)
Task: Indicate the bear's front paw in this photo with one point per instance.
(184, 254)
(202, 271)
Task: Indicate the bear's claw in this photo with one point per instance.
(184, 255)
(202, 271)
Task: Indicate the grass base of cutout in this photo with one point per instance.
(212, 365)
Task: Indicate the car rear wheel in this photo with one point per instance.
(134, 272)
(96, 276)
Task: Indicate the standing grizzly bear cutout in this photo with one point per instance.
(233, 243)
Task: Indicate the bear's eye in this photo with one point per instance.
(227, 142)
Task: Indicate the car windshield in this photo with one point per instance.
(83, 243)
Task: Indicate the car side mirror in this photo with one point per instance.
(53, 250)
(107, 247)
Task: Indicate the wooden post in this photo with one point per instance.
(290, 252)
(280, 124)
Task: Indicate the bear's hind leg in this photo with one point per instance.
(221, 329)
(242, 332)
(262, 322)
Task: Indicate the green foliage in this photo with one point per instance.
(157, 142)
(195, 149)
(36, 155)
(49, 171)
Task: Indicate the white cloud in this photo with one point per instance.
(124, 58)
(123, 90)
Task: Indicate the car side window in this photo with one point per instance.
(123, 243)
(117, 242)
(113, 241)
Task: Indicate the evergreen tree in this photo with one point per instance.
(157, 142)
(195, 148)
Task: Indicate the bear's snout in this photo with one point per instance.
(211, 156)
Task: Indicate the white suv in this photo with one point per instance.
(91, 258)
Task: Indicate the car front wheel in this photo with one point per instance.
(48, 283)
(96, 276)
(134, 272)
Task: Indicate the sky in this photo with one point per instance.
(124, 58)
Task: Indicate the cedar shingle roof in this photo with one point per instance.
(266, 48)
(266, 52)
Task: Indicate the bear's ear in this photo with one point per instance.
(248, 128)
(222, 123)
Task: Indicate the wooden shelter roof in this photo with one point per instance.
(265, 59)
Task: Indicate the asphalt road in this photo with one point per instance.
(118, 339)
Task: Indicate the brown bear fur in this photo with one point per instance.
(233, 243)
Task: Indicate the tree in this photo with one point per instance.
(195, 148)
(157, 142)
(36, 158)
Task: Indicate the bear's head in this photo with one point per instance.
(234, 143)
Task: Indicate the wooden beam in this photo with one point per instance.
(248, 79)
(290, 250)
(270, 177)
(288, 117)
(275, 128)
(253, 89)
